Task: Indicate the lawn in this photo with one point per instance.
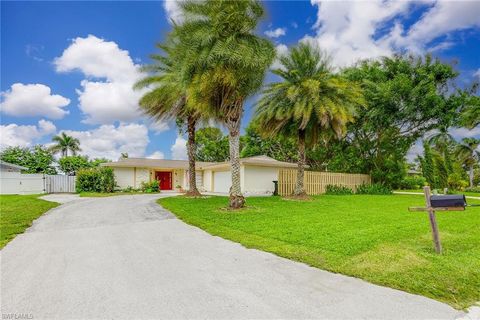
(370, 237)
(18, 212)
(466, 193)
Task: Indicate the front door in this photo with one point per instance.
(164, 179)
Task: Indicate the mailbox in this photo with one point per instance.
(449, 200)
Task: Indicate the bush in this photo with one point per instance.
(415, 182)
(375, 188)
(456, 182)
(150, 187)
(338, 190)
(99, 179)
(474, 189)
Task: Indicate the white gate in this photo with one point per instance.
(60, 184)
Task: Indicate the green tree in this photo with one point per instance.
(228, 62)
(212, 145)
(37, 159)
(427, 164)
(406, 97)
(311, 103)
(168, 99)
(65, 143)
(70, 165)
(467, 152)
(441, 172)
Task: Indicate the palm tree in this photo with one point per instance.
(64, 143)
(167, 100)
(443, 142)
(311, 103)
(227, 63)
(467, 152)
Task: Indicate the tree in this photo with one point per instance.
(467, 152)
(311, 103)
(64, 143)
(212, 145)
(406, 97)
(70, 165)
(37, 159)
(427, 164)
(168, 99)
(227, 63)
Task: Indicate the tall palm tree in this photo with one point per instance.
(443, 142)
(228, 63)
(167, 100)
(64, 143)
(467, 152)
(311, 103)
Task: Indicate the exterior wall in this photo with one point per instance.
(207, 180)
(141, 175)
(125, 177)
(17, 183)
(258, 180)
(179, 176)
(222, 181)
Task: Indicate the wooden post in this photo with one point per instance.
(433, 221)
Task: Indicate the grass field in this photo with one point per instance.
(18, 212)
(370, 237)
(468, 194)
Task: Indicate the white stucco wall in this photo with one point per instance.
(141, 175)
(222, 181)
(258, 180)
(207, 180)
(124, 177)
(17, 183)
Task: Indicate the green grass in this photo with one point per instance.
(370, 237)
(18, 212)
(106, 194)
(466, 193)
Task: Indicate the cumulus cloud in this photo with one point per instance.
(356, 30)
(179, 149)
(110, 97)
(159, 127)
(281, 50)
(24, 135)
(109, 141)
(172, 10)
(29, 100)
(157, 155)
(275, 33)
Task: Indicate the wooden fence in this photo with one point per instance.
(316, 182)
(59, 184)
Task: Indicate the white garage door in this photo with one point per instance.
(222, 181)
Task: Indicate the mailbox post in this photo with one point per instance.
(433, 220)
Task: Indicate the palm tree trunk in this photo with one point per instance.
(192, 191)
(237, 200)
(470, 175)
(299, 188)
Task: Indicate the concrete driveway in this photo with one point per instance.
(125, 257)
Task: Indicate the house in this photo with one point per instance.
(256, 173)
(10, 167)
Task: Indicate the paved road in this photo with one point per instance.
(125, 257)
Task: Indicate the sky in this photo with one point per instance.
(69, 66)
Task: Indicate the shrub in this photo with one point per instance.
(375, 188)
(415, 182)
(456, 182)
(473, 189)
(338, 190)
(150, 187)
(99, 179)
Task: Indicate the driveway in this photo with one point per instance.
(125, 257)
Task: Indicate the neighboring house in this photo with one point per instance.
(10, 167)
(256, 173)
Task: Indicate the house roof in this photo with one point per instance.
(263, 161)
(4, 164)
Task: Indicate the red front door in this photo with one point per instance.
(165, 179)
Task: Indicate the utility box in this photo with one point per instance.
(448, 201)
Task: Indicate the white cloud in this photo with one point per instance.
(460, 133)
(159, 126)
(349, 30)
(112, 99)
(29, 100)
(179, 149)
(281, 50)
(275, 33)
(24, 135)
(110, 141)
(172, 10)
(157, 155)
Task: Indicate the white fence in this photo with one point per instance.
(17, 183)
(60, 184)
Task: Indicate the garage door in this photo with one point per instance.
(222, 181)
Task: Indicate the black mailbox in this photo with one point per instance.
(449, 200)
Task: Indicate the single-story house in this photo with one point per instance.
(256, 173)
(10, 167)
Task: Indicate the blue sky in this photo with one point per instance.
(69, 66)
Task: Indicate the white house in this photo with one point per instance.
(12, 181)
(257, 174)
